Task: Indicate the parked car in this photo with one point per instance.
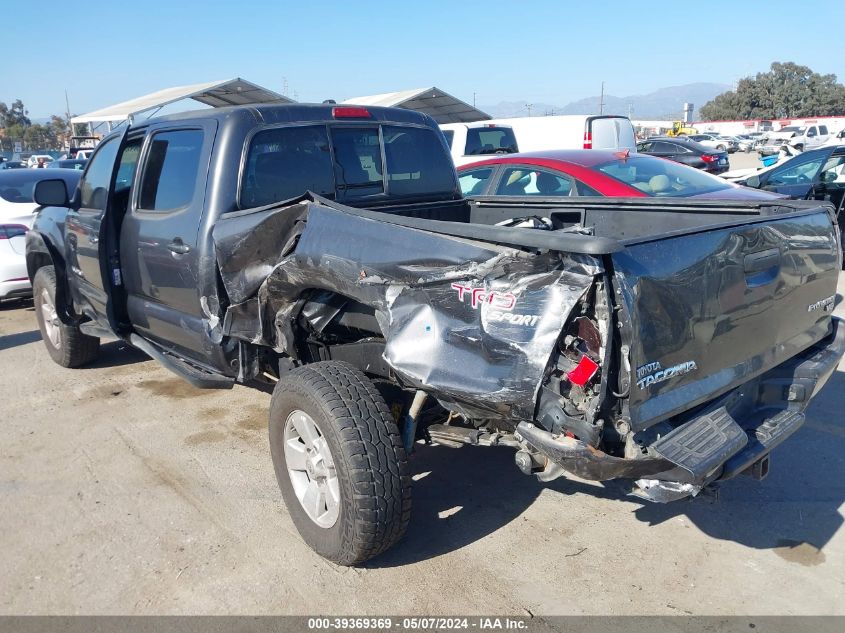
(12, 164)
(665, 347)
(469, 141)
(817, 174)
(715, 141)
(16, 216)
(573, 131)
(686, 151)
(745, 143)
(597, 172)
(68, 163)
(32, 161)
(808, 136)
(836, 139)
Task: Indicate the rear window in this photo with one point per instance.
(612, 133)
(397, 161)
(490, 140)
(449, 135)
(662, 178)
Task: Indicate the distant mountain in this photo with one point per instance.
(665, 103)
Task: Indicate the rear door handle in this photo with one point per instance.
(178, 247)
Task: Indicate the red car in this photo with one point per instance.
(595, 173)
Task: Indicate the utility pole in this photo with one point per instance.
(69, 124)
(473, 99)
(528, 107)
(285, 86)
(601, 99)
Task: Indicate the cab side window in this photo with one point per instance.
(171, 169)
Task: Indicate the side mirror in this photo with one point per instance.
(753, 182)
(51, 193)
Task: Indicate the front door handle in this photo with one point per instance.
(178, 247)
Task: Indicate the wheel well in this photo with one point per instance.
(37, 260)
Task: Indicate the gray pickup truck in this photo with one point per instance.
(326, 250)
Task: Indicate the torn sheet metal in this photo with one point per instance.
(472, 323)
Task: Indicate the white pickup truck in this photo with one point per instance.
(803, 137)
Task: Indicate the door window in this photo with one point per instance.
(94, 188)
(473, 182)
(528, 181)
(171, 169)
(822, 129)
(802, 173)
(664, 148)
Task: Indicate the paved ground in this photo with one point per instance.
(124, 490)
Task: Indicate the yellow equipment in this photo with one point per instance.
(679, 128)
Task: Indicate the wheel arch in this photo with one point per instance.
(40, 253)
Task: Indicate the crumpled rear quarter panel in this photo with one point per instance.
(473, 323)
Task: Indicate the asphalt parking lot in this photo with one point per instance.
(127, 491)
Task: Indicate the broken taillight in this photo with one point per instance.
(584, 372)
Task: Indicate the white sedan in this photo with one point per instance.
(17, 212)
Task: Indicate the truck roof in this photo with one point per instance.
(294, 113)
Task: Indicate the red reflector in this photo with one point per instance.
(350, 113)
(588, 140)
(582, 374)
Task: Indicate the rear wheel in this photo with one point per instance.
(66, 344)
(339, 461)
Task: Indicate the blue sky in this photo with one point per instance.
(538, 50)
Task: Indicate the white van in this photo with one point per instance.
(471, 142)
(573, 131)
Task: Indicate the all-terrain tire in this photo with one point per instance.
(67, 346)
(368, 455)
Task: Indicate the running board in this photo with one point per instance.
(199, 378)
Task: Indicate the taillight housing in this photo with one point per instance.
(709, 158)
(8, 231)
(350, 112)
(588, 140)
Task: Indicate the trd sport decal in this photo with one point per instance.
(477, 296)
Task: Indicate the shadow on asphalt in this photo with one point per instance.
(117, 354)
(17, 304)
(9, 341)
(471, 492)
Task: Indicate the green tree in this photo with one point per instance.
(15, 114)
(787, 91)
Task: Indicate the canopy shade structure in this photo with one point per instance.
(214, 93)
(441, 106)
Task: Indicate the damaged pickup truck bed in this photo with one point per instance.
(599, 346)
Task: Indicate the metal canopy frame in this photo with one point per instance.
(216, 94)
(440, 105)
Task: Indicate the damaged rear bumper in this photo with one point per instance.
(729, 438)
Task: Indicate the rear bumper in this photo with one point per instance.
(729, 438)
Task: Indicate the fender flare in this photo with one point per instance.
(39, 253)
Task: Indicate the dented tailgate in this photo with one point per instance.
(709, 310)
